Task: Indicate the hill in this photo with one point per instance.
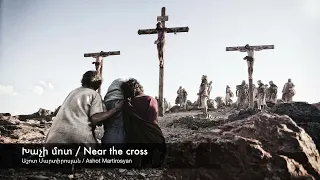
(282, 143)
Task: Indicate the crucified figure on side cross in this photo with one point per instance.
(250, 59)
(160, 42)
(98, 65)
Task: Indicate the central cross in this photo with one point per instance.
(161, 30)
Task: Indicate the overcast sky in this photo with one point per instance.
(42, 43)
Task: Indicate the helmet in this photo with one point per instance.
(289, 80)
(270, 82)
(259, 82)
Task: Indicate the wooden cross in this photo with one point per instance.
(99, 60)
(246, 49)
(161, 30)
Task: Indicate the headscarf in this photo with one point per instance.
(114, 91)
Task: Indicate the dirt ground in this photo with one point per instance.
(34, 131)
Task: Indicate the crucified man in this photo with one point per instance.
(160, 42)
(250, 59)
(97, 63)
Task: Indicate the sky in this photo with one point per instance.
(42, 43)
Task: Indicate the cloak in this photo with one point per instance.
(141, 133)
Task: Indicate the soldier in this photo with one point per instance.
(184, 99)
(203, 93)
(273, 91)
(229, 95)
(249, 58)
(242, 94)
(288, 91)
(261, 95)
(179, 96)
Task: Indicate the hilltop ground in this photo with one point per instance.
(243, 145)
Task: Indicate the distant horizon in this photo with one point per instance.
(42, 46)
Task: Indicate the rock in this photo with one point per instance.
(7, 126)
(262, 146)
(270, 104)
(11, 171)
(305, 115)
(56, 111)
(243, 114)
(317, 105)
(193, 123)
(210, 103)
(38, 177)
(40, 115)
(43, 112)
(141, 176)
(5, 114)
(175, 109)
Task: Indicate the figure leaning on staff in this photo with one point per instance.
(249, 58)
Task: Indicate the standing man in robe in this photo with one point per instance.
(273, 91)
(261, 95)
(288, 91)
(179, 96)
(242, 94)
(203, 93)
(229, 95)
(184, 99)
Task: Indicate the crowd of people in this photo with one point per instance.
(262, 93)
(126, 114)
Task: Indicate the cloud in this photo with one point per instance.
(7, 90)
(48, 85)
(38, 90)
